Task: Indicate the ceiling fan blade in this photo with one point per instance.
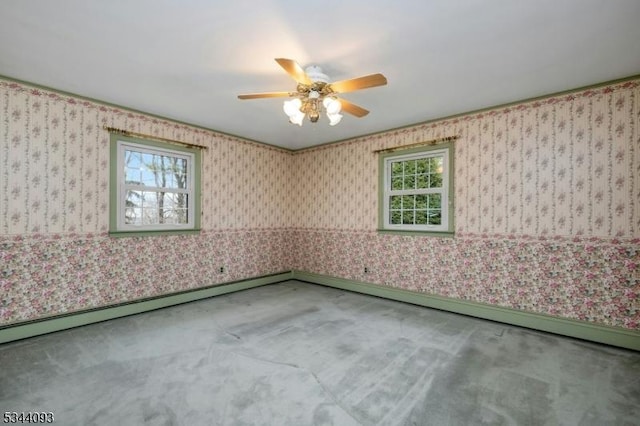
(352, 109)
(294, 70)
(358, 83)
(264, 95)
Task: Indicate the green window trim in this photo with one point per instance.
(384, 178)
(114, 206)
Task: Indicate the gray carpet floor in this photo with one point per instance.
(301, 354)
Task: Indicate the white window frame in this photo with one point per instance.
(122, 187)
(387, 192)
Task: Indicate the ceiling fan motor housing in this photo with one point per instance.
(315, 74)
(314, 92)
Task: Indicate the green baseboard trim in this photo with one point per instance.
(24, 330)
(614, 336)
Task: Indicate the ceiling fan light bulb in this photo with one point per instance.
(332, 105)
(296, 118)
(334, 119)
(292, 107)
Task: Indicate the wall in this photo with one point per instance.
(547, 209)
(55, 253)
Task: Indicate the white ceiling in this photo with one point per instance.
(188, 60)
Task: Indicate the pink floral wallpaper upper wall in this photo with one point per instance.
(565, 165)
(54, 166)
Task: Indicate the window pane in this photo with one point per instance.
(167, 180)
(170, 200)
(435, 201)
(164, 171)
(180, 166)
(147, 160)
(396, 183)
(435, 165)
(163, 179)
(409, 182)
(435, 181)
(181, 216)
(395, 202)
(421, 217)
(407, 217)
(150, 216)
(155, 207)
(168, 163)
(148, 178)
(175, 216)
(421, 166)
(132, 176)
(147, 199)
(180, 180)
(421, 201)
(410, 167)
(396, 217)
(132, 167)
(175, 201)
(408, 202)
(133, 199)
(132, 216)
(132, 159)
(160, 171)
(422, 181)
(396, 169)
(435, 217)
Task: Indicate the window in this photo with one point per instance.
(154, 186)
(417, 190)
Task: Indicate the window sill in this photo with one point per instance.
(443, 234)
(120, 234)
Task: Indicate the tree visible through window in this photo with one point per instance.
(154, 187)
(415, 194)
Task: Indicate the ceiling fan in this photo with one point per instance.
(314, 92)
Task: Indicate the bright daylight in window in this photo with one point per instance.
(416, 191)
(155, 188)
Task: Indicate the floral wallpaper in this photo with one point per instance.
(54, 166)
(586, 279)
(547, 209)
(55, 253)
(565, 165)
(43, 276)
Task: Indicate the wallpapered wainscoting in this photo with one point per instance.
(44, 276)
(547, 209)
(584, 279)
(55, 254)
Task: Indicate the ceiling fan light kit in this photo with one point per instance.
(293, 110)
(314, 93)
